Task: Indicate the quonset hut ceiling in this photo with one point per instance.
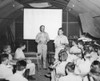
(76, 7)
(11, 9)
(84, 6)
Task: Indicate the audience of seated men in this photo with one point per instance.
(94, 74)
(69, 69)
(82, 55)
(81, 62)
(19, 54)
(11, 63)
(7, 50)
(20, 69)
(5, 70)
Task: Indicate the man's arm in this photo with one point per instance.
(66, 42)
(37, 38)
(55, 43)
(48, 39)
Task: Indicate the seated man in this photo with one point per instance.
(74, 49)
(82, 66)
(7, 50)
(19, 54)
(20, 69)
(59, 67)
(69, 69)
(5, 71)
(94, 74)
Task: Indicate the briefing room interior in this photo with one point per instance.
(49, 40)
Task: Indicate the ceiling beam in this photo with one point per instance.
(4, 2)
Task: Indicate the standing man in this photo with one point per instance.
(60, 41)
(42, 38)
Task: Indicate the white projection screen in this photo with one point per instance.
(34, 18)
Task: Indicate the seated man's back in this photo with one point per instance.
(70, 77)
(5, 71)
(20, 69)
(17, 77)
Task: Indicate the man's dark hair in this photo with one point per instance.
(75, 40)
(95, 67)
(60, 29)
(42, 25)
(20, 65)
(62, 54)
(21, 44)
(70, 66)
(3, 57)
(81, 42)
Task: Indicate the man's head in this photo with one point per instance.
(80, 44)
(70, 67)
(42, 28)
(7, 49)
(60, 31)
(4, 59)
(95, 70)
(21, 65)
(62, 55)
(22, 45)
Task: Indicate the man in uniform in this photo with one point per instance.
(42, 38)
(60, 42)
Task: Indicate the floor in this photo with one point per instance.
(40, 75)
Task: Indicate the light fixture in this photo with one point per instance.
(78, 0)
(73, 5)
(40, 5)
(13, 3)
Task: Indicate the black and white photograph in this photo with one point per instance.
(49, 40)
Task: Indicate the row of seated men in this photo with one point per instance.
(80, 62)
(13, 68)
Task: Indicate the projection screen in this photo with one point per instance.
(34, 18)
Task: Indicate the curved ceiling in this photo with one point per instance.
(76, 7)
(8, 8)
(84, 6)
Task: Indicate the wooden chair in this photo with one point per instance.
(33, 56)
